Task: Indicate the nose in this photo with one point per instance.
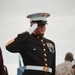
(42, 26)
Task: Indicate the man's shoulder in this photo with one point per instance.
(49, 40)
(60, 65)
(63, 69)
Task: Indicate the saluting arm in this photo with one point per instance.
(14, 44)
(9, 42)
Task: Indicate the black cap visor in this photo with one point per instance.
(40, 22)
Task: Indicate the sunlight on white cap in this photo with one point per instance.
(38, 16)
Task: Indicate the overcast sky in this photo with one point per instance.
(60, 28)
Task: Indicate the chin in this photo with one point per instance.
(42, 33)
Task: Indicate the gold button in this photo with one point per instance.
(43, 44)
(41, 40)
(44, 49)
(45, 64)
(37, 36)
(34, 49)
(45, 59)
(44, 54)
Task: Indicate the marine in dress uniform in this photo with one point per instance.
(38, 52)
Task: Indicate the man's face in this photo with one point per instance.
(40, 30)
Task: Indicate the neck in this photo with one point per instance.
(38, 35)
(42, 35)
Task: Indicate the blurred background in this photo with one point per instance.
(60, 28)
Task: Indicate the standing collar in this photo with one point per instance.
(37, 36)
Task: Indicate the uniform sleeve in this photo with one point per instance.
(15, 46)
(54, 63)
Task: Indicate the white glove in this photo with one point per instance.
(32, 28)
